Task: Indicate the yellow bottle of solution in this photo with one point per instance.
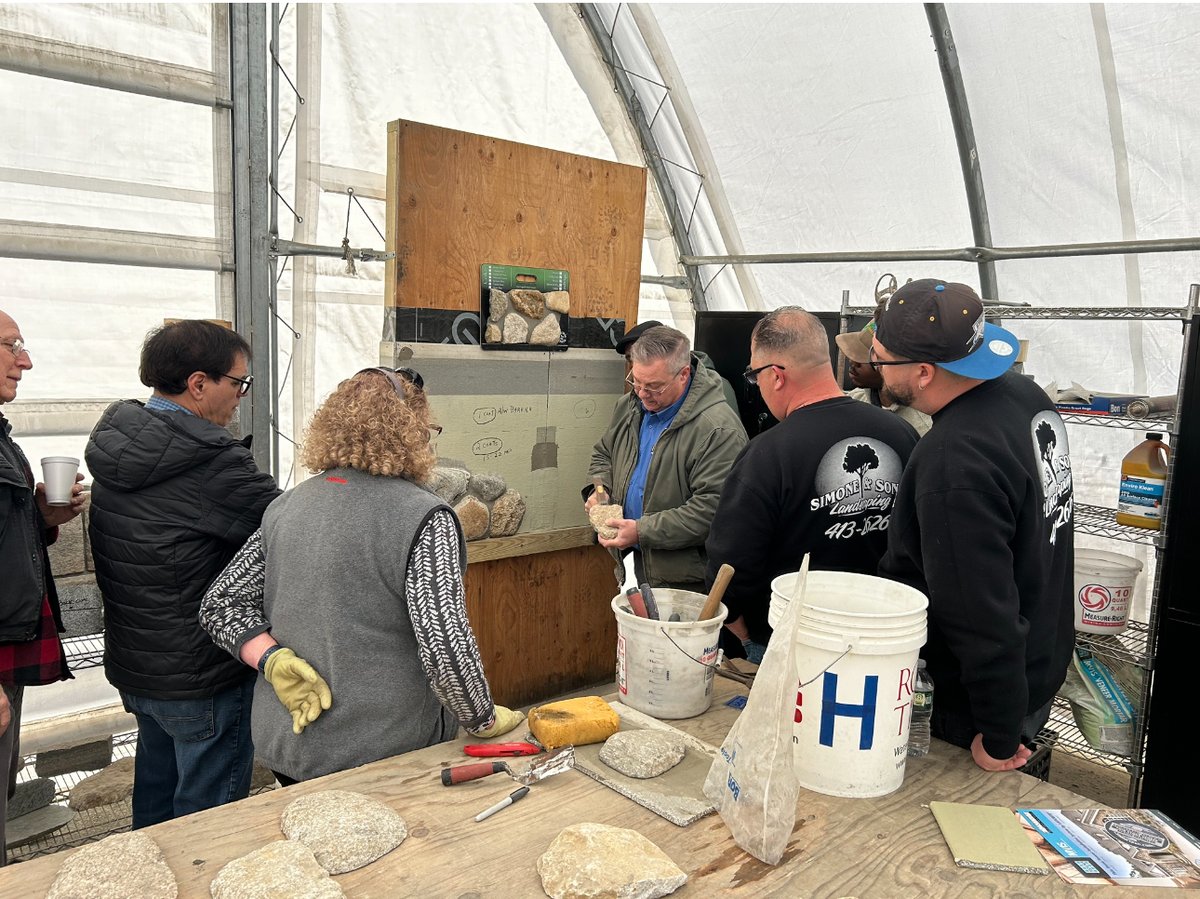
(1143, 483)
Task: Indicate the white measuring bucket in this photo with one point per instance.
(665, 668)
(1104, 585)
(855, 662)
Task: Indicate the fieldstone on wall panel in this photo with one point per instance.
(282, 868)
(528, 302)
(344, 830)
(515, 329)
(117, 867)
(112, 784)
(507, 513)
(449, 483)
(473, 515)
(547, 331)
(492, 333)
(486, 486)
(596, 861)
(558, 301)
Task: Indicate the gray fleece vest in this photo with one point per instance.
(337, 549)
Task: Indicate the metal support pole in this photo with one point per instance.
(251, 196)
(650, 150)
(964, 135)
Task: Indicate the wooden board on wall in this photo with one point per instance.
(454, 202)
(543, 623)
(457, 200)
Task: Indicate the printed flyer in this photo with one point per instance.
(1130, 847)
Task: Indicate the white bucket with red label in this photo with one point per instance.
(1104, 584)
(665, 668)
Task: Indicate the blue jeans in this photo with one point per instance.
(192, 754)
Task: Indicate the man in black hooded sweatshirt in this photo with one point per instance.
(982, 521)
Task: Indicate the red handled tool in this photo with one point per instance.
(462, 773)
(634, 595)
(554, 763)
(493, 750)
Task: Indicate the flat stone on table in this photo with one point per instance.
(344, 830)
(642, 753)
(283, 868)
(120, 866)
(596, 861)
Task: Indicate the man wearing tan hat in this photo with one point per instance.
(982, 521)
(868, 384)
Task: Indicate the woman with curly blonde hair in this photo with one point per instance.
(361, 569)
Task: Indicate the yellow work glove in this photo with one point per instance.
(506, 720)
(302, 691)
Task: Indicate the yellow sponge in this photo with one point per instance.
(573, 722)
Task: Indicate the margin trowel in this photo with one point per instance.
(555, 763)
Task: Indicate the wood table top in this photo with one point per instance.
(888, 846)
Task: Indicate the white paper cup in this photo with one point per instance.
(58, 473)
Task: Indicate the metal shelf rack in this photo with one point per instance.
(1137, 644)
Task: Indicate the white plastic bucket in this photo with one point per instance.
(858, 641)
(1104, 585)
(665, 668)
(840, 599)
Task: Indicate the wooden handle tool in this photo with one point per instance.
(724, 576)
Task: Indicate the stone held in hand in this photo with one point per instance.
(599, 514)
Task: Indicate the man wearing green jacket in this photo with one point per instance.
(664, 458)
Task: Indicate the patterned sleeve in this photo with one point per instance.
(232, 608)
(445, 642)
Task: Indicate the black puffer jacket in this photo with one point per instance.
(174, 497)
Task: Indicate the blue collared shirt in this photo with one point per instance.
(653, 425)
(161, 404)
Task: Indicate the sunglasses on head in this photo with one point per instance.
(411, 375)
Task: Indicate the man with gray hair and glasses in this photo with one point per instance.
(664, 458)
(31, 652)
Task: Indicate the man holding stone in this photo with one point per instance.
(31, 652)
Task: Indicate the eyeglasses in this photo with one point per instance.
(751, 374)
(880, 363)
(646, 389)
(243, 383)
(16, 346)
(435, 431)
(409, 374)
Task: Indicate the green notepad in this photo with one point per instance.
(987, 836)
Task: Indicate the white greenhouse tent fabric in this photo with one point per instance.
(779, 128)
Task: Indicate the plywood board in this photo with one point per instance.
(457, 200)
(678, 794)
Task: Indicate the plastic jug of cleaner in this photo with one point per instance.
(1143, 483)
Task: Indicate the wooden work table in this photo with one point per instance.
(884, 847)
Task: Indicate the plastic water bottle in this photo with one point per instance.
(922, 711)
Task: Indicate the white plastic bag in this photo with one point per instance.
(753, 779)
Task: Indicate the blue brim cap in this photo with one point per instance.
(993, 357)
